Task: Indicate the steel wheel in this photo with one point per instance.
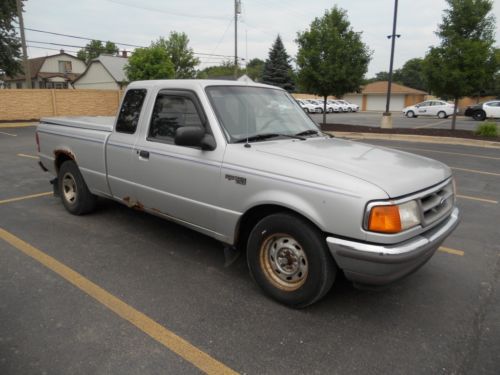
(284, 262)
(69, 188)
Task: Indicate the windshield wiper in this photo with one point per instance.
(307, 132)
(260, 137)
(314, 132)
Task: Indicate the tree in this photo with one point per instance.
(180, 54)
(225, 69)
(465, 62)
(255, 69)
(10, 45)
(94, 48)
(332, 59)
(149, 63)
(412, 74)
(277, 68)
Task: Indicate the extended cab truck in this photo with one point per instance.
(214, 156)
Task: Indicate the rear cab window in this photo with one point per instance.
(128, 118)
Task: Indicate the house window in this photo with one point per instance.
(64, 66)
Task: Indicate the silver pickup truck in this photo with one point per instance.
(244, 164)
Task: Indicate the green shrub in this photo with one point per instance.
(488, 129)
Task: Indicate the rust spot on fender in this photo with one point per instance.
(132, 203)
(58, 153)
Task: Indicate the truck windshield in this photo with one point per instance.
(247, 112)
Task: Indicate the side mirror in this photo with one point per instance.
(194, 136)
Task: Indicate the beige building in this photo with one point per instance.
(49, 72)
(373, 96)
(103, 73)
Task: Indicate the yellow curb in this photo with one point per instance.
(418, 138)
(17, 125)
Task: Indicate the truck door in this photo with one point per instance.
(178, 181)
(120, 146)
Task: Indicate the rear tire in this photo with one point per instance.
(289, 260)
(479, 115)
(75, 195)
(442, 114)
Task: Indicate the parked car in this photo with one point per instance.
(438, 108)
(350, 107)
(484, 110)
(318, 104)
(210, 155)
(308, 107)
(334, 106)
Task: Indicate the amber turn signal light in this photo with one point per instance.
(385, 219)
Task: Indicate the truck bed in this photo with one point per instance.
(102, 123)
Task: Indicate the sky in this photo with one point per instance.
(210, 25)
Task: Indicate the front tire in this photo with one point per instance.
(289, 259)
(479, 115)
(75, 195)
(410, 114)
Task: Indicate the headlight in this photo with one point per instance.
(393, 218)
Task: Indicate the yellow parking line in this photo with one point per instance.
(167, 338)
(17, 125)
(430, 125)
(477, 199)
(475, 171)
(28, 156)
(451, 251)
(10, 134)
(25, 197)
(447, 152)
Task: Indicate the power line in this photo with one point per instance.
(80, 37)
(178, 14)
(122, 44)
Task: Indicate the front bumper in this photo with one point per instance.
(382, 264)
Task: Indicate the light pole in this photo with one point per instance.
(237, 10)
(27, 72)
(386, 117)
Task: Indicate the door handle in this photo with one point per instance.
(144, 154)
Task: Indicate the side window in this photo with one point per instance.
(130, 111)
(170, 113)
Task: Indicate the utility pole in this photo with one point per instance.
(27, 72)
(237, 10)
(386, 118)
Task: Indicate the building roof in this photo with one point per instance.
(114, 65)
(36, 64)
(380, 87)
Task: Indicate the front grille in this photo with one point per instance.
(437, 204)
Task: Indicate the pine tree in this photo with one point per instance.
(277, 68)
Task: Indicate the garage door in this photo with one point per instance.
(354, 99)
(377, 102)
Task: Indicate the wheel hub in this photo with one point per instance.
(284, 262)
(69, 188)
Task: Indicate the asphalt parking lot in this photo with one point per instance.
(399, 121)
(123, 292)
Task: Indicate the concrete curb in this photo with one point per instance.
(418, 138)
(10, 125)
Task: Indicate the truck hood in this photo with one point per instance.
(396, 172)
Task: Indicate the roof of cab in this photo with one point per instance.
(192, 83)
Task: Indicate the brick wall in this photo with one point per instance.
(34, 104)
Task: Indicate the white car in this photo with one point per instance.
(308, 107)
(334, 106)
(350, 107)
(438, 108)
